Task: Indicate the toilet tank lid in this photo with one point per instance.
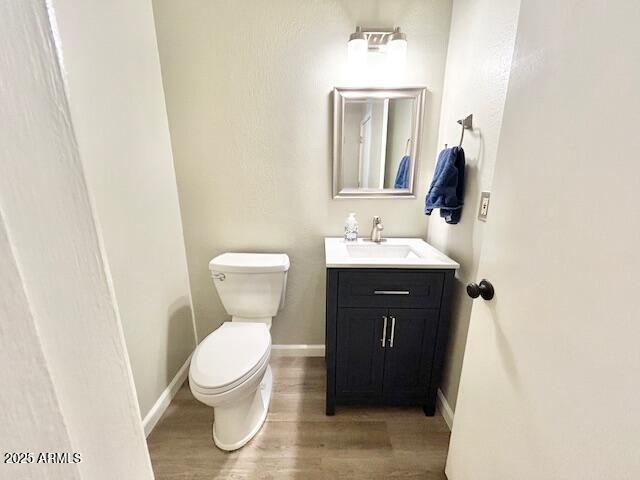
(250, 263)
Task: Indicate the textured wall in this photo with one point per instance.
(478, 65)
(66, 385)
(115, 88)
(248, 94)
(24, 364)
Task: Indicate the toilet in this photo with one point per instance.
(229, 369)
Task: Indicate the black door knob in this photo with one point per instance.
(484, 290)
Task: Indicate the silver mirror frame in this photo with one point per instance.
(340, 96)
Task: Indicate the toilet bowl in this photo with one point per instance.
(230, 372)
(229, 369)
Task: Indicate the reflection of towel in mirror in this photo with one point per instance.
(402, 177)
(447, 187)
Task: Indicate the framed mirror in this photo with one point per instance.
(376, 141)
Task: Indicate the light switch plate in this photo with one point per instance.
(484, 206)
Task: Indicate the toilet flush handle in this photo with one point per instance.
(218, 276)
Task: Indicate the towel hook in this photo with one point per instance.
(406, 150)
(467, 123)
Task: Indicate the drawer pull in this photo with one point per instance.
(391, 292)
(384, 332)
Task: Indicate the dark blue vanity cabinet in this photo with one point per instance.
(386, 334)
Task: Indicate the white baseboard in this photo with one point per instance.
(301, 350)
(445, 409)
(151, 419)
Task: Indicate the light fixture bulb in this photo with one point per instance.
(397, 49)
(357, 49)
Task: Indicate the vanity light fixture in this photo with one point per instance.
(357, 48)
(397, 47)
(376, 40)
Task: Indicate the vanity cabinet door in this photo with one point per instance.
(409, 354)
(360, 354)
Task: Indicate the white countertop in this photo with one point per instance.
(392, 253)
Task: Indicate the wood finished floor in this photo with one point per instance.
(298, 441)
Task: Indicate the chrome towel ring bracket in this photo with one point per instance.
(467, 124)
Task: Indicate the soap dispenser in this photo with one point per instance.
(351, 228)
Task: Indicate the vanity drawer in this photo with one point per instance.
(384, 288)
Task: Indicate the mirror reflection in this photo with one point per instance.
(377, 137)
(377, 132)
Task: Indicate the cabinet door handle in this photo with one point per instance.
(391, 292)
(393, 331)
(384, 332)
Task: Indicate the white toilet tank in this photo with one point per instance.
(251, 286)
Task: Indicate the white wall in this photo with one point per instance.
(478, 65)
(66, 381)
(248, 94)
(29, 393)
(112, 72)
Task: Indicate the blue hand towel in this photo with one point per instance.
(402, 177)
(447, 187)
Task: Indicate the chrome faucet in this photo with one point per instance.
(376, 230)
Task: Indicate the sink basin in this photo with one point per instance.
(381, 251)
(393, 253)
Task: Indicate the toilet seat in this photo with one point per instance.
(233, 389)
(229, 356)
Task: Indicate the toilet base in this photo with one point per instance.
(234, 425)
